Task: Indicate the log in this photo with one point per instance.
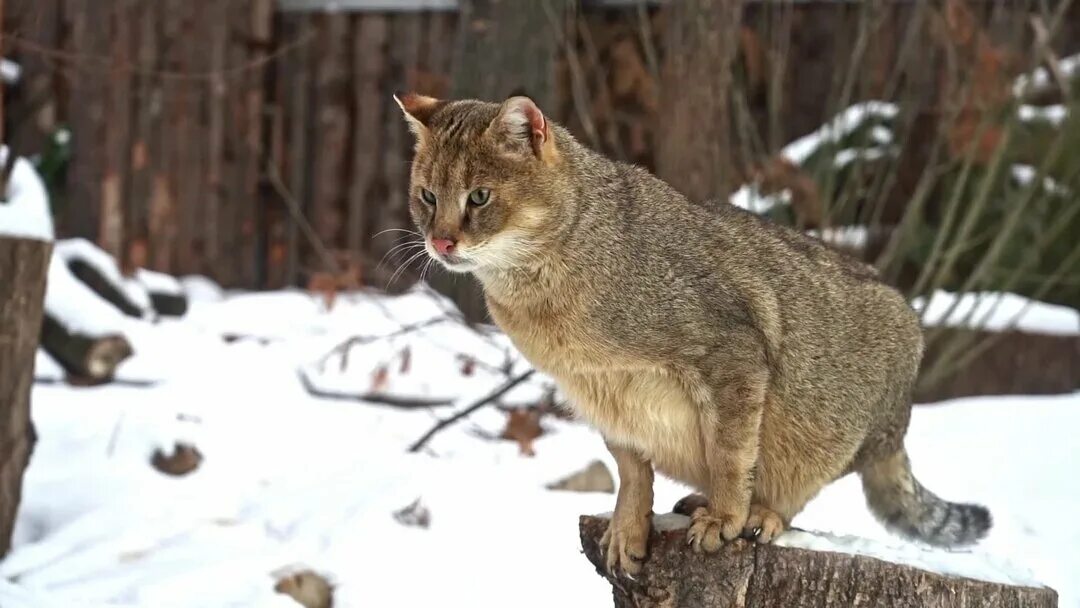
(747, 574)
(101, 286)
(86, 359)
(23, 267)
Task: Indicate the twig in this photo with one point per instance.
(479, 403)
(293, 205)
(1046, 53)
(347, 345)
(398, 402)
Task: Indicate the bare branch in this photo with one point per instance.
(479, 403)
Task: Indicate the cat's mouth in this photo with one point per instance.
(455, 261)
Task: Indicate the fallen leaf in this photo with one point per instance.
(416, 515)
(184, 459)
(309, 589)
(593, 478)
(380, 379)
(468, 365)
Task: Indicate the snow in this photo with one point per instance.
(25, 211)
(1054, 114)
(851, 237)
(1025, 174)
(291, 481)
(1040, 77)
(841, 125)
(996, 311)
(85, 251)
(849, 155)
(748, 197)
(159, 282)
(10, 72)
(76, 306)
(201, 289)
(954, 563)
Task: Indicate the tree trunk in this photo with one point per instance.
(746, 574)
(505, 48)
(23, 267)
(695, 138)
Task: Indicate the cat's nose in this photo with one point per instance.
(443, 246)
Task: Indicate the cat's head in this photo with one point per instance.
(483, 179)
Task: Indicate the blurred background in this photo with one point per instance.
(196, 152)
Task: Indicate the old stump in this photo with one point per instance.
(746, 574)
(23, 265)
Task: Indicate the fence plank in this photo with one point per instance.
(331, 127)
(369, 37)
(86, 112)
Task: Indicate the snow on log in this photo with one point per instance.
(81, 331)
(98, 270)
(166, 293)
(747, 574)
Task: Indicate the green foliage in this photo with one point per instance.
(52, 165)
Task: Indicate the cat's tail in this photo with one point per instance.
(907, 508)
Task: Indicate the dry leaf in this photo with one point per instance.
(406, 360)
(523, 426)
(324, 284)
(380, 379)
(468, 365)
(184, 459)
(416, 515)
(308, 588)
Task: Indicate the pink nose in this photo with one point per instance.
(443, 246)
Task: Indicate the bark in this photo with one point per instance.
(746, 574)
(695, 139)
(169, 304)
(23, 267)
(90, 359)
(102, 286)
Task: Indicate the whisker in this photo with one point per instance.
(405, 230)
(398, 249)
(402, 267)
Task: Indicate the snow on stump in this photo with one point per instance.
(747, 574)
(23, 264)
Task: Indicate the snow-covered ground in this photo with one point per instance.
(290, 481)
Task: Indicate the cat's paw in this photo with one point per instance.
(708, 531)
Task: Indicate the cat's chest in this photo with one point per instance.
(555, 339)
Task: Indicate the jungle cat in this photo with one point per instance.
(738, 356)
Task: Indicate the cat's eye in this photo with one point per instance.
(479, 197)
(428, 196)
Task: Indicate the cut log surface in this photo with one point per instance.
(747, 574)
(90, 358)
(23, 266)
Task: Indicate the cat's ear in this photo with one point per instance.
(521, 128)
(418, 110)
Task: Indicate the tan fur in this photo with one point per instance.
(744, 359)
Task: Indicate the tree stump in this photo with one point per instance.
(746, 574)
(23, 266)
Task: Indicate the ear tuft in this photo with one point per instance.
(417, 109)
(521, 125)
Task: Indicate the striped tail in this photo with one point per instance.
(906, 508)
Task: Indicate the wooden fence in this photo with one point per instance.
(206, 133)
